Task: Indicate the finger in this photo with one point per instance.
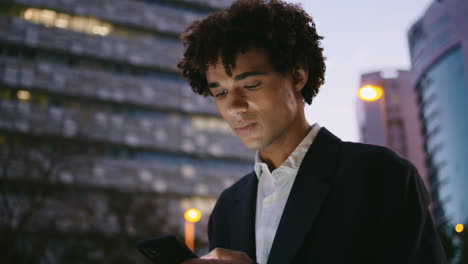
(211, 261)
(196, 261)
(216, 253)
(211, 255)
(226, 254)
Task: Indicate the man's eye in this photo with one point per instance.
(222, 93)
(252, 86)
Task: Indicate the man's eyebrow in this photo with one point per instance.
(246, 75)
(238, 77)
(213, 85)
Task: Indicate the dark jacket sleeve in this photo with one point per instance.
(409, 231)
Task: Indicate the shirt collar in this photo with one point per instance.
(295, 158)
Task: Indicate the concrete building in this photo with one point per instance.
(392, 120)
(438, 44)
(103, 74)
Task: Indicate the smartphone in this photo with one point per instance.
(165, 250)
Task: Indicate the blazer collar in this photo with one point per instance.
(310, 187)
(307, 195)
(246, 203)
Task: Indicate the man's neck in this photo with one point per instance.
(275, 154)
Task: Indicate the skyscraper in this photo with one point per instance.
(438, 44)
(102, 74)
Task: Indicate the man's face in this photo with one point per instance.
(260, 105)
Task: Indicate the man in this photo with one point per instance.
(311, 198)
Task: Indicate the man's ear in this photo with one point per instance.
(300, 76)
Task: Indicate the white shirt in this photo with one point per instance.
(273, 191)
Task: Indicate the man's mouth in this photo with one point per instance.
(244, 128)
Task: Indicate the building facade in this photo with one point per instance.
(392, 120)
(438, 44)
(102, 74)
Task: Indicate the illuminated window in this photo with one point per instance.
(50, 18)
(62, 20)
(23, 95)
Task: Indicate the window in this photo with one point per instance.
(51, 18)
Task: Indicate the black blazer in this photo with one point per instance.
(350, 203)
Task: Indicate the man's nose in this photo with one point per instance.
(236, 102)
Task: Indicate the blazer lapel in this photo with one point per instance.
(244, 210)
(307, 194)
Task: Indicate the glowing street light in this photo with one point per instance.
(459, 228)
(370, 93)
(191, 217)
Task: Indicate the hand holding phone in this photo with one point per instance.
(165, 250)
(222, 256)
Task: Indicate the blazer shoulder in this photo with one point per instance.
(396, 174)
(374, 155)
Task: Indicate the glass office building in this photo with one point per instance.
(439, 54)
(103, 74)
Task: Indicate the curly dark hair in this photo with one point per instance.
(285, 31)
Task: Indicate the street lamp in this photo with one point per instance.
(370, 93)
(191, 217)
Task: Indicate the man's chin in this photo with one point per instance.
(252, 144)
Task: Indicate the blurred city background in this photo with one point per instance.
(103, 144)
